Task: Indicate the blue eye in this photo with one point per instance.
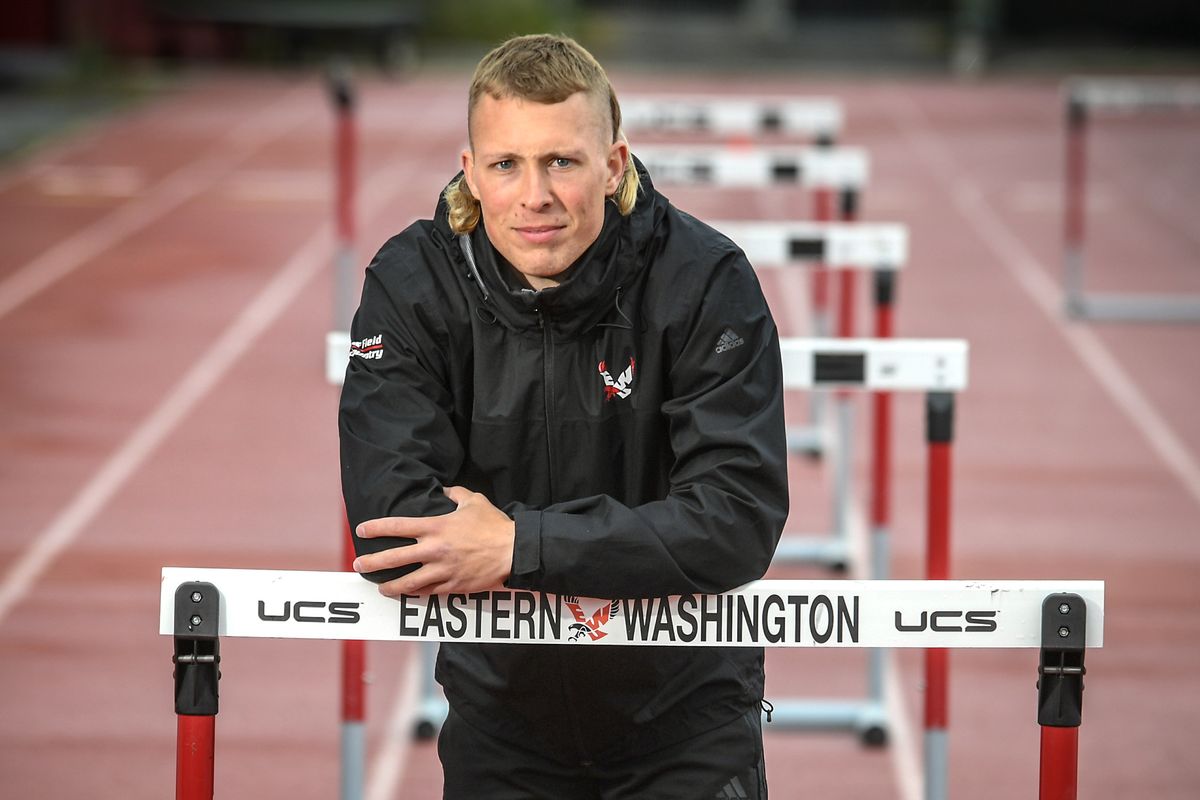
(562, 162)
(503, 165)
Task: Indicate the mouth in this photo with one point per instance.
(539, 234)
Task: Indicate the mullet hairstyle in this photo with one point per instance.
(544, 69)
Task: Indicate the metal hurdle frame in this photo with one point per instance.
(819, 119)
(838, 168)
(1082, 97)
(881, 248)
(831, 173)
(199, 605)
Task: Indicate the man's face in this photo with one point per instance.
(541, 172)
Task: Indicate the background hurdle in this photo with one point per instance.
(834, 175)
(937, 367)
(235, 603)
(1083, 97)
(819, 119)
(883, 249)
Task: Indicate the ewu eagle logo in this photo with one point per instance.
(622, 387)
(593, 626)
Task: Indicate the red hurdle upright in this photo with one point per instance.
(1060, 694)
(1074, 200)
(197, 662)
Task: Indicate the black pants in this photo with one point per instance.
(724, 763)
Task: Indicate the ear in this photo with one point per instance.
(468, 168)
(618, 155)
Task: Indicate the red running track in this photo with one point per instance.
(164, 294)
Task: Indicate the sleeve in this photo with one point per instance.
(721, 521)
(399, 446)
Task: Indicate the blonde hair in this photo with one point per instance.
(545, 69)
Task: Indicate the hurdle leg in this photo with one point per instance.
(845, 421)
(197, 659)
(434, 708)
(939, 422)
(811, 441)
(880, 507)
(1075, 208)
(839, 552)
(345, 157)
(1060, 694)
(354, 695)
(194, 759)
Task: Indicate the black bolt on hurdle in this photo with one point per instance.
(197, 662)
(1060, 694)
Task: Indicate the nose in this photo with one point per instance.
(536, 193)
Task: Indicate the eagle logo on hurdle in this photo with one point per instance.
(622, 387)
(593, 626)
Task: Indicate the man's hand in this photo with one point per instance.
(467, 550)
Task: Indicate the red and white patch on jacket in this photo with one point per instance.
(622, 387)
(370, 347)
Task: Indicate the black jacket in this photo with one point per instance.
(630, 420)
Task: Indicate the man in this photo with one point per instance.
(571, 387)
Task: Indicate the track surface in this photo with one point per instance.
(164, 293)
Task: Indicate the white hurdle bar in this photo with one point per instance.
(837, 245)
(199, 605)
(818, 118)
(810, 167)
(297, 604)
(1082, 97)
(929, 365)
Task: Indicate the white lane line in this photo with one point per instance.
(69, 254)
(305, 263)
(387, 768)
(272, 301)
(902, 739)
(1033, 278)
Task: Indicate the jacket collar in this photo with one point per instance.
(590, 294)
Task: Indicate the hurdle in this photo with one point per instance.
(200, 605)
(353, 659)
(879, 247)
(1084, 97)
(830, 173)
(839, 168)
(883, 249)
(736, 119)
(819, 119)
(937, 367)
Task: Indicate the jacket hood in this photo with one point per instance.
(590, 293)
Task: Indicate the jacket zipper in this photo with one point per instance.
(548, 402)
(548, 396)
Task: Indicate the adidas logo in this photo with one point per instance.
(734, 789)
(729, 340)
